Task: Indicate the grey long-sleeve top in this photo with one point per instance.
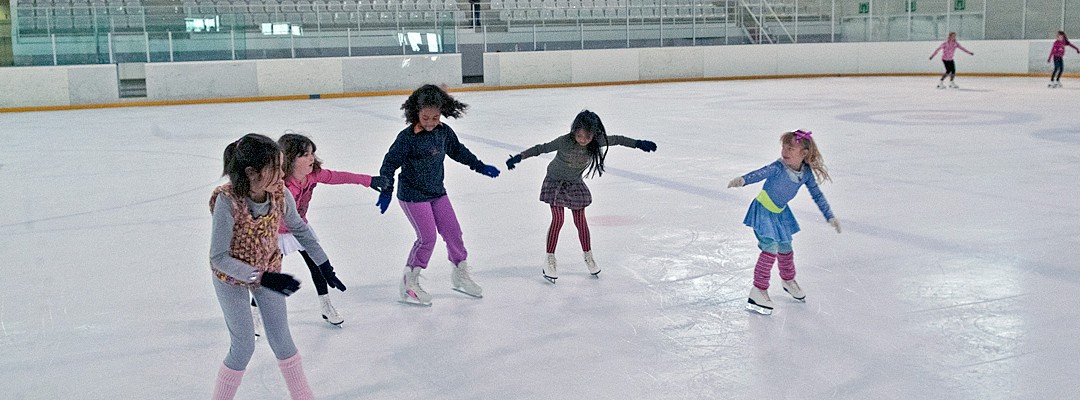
(571, 159)
(222, 235)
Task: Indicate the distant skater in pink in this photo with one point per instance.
(948, 49)
(1057, 53)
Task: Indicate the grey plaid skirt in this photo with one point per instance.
(570, 194)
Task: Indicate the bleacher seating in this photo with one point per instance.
(605, 11)
(73, 16)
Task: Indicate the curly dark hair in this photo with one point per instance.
(598, 147)
(252, 150)
(295, 145)
(432, 96)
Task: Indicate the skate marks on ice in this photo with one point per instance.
(1070, 135)
(788, 104)
(121, 184)
(976, 327)
(918, 117)
(699, 280)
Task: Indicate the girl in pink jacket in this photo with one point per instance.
(948, 49)
(303, 171)
(1057, 53)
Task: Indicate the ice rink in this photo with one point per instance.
(955, 277)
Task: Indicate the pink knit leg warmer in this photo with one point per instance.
(228, 380)
(786, 263)
(295, 380)
(763, 269)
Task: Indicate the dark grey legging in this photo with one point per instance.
(234, 302)
(1059, 66)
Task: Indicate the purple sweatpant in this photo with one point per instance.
(429, 218)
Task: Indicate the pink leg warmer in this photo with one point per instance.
(786, 263)
(295, 380)
(763, 269)
(228, 380)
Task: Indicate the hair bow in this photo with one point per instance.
(801, 134)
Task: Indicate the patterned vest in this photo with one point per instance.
(254, 240)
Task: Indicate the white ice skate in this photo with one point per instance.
(941, 85)
(256, 317)
(952, 85)
(589, 262)
(329, 313)
(759, 302)
(794, 290)
(460, 281)
(551, 273)
(410, 289)
(1057, 84)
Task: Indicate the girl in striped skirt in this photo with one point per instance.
(578, 153)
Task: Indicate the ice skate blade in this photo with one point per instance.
(478, 296)
(550, 279)
(414, 302)
(757, 308)
(799, 299)
(331, 323)
(596, 274)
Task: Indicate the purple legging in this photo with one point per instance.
(427, 219)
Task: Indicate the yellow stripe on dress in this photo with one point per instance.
(766, 201)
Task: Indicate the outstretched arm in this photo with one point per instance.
(760, 174)
(458, 152)
(341, 177)
(548, 147)
(1074, 47)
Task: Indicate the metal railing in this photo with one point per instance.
(205, 30)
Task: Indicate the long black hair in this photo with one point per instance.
(252, 150)
(432, 96)
(598, 147)
(295, 145)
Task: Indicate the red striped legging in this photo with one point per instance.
(557, 223)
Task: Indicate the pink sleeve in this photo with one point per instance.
(942, 46)
(340, 177)
(962, 48)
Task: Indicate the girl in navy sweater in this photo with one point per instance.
(419, 151)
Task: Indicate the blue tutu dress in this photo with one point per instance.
(768, 214)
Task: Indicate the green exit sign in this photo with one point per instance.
(960, 5)
(864, 8)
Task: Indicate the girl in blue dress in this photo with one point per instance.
(800, 164)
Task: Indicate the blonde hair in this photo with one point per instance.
(813, 157)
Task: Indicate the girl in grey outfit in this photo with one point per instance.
(578, 153)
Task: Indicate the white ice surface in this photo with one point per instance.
(956, 275)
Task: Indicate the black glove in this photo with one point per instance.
(380, 183)
(645, 145)
(281, 283)
(330, 277)
(510, 163)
